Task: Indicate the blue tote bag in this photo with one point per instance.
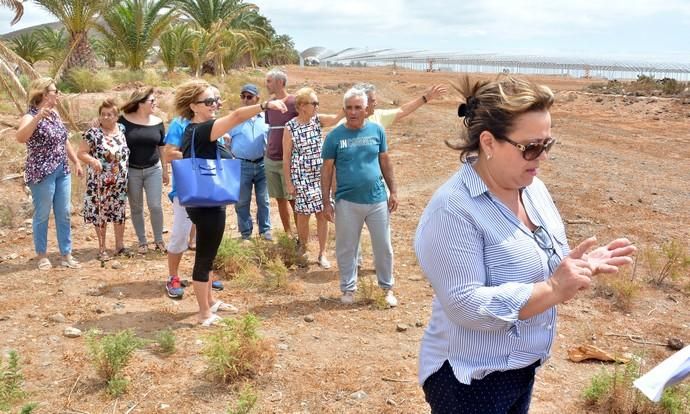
(206, 183)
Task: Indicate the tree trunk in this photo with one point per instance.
(82, 56)
(209, 67)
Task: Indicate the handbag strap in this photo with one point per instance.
(218, 163)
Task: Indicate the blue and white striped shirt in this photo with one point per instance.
(482, 262)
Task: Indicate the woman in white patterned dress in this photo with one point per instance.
(302, 142)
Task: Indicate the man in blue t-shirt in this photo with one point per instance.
(248, 144)
(357, 151)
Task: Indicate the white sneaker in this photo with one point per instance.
(390, 299)
(323, 262)
(348, 298)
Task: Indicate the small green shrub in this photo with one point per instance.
(287, 250)
(246, 400)
(235, 350)
(117, 385)
(11, 381)
(276, 275)
(233, 256)
(614, 393)
(598, 388)
(622, 288)
(110, 355)
(370, 293)
(166, 341)
(28, 408)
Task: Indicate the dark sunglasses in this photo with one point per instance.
(246, 96)
(209, 101)
(533, 150)
(543, 239)
(315, 103)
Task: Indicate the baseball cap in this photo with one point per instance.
(250, 88)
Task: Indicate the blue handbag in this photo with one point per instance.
(202, 182)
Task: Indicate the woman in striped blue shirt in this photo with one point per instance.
(493, 246)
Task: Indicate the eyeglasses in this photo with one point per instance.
(246, 96)
(315, 103)
(543, 239)
(533, 150)
(209, 101)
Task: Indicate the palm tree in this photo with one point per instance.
(173, 45)
(29, 47)
(107, 49)
(135, 25)
(216, 17)
(280, 51)
(16, 6)
(78, 16)
(202, 48)
(10, 61)
(55, 44)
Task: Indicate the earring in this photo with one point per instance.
(488, 157)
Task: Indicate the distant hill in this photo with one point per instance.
(12, 35)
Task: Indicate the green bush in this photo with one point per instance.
(84, 80)
(614, 393)
(276, 275)
(235, 350)
(598, 388)
(11, 381)
(166, 341)
(110, 355)
(233, 256)
(246, 400)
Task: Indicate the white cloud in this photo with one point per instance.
(33, 15)
(501, 26)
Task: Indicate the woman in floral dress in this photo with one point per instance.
(104, 150)
(302, 142)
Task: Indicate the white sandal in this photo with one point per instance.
(211, 321)
(219, 305)
(44, 264)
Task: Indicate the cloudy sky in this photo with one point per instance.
(625, 29)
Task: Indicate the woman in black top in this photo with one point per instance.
(145, 133)
(195, 101)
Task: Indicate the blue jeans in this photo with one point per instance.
(253, 175)
(52, 192)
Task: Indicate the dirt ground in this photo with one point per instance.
(621, 168)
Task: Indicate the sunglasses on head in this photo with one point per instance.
(533, 150)
(246, 96)
(209, 101)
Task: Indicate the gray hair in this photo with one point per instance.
(355, 93)
(276, 73)
(366, 87)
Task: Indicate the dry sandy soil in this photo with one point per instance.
(621, 168)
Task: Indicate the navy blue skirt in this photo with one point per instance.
(501, 392)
